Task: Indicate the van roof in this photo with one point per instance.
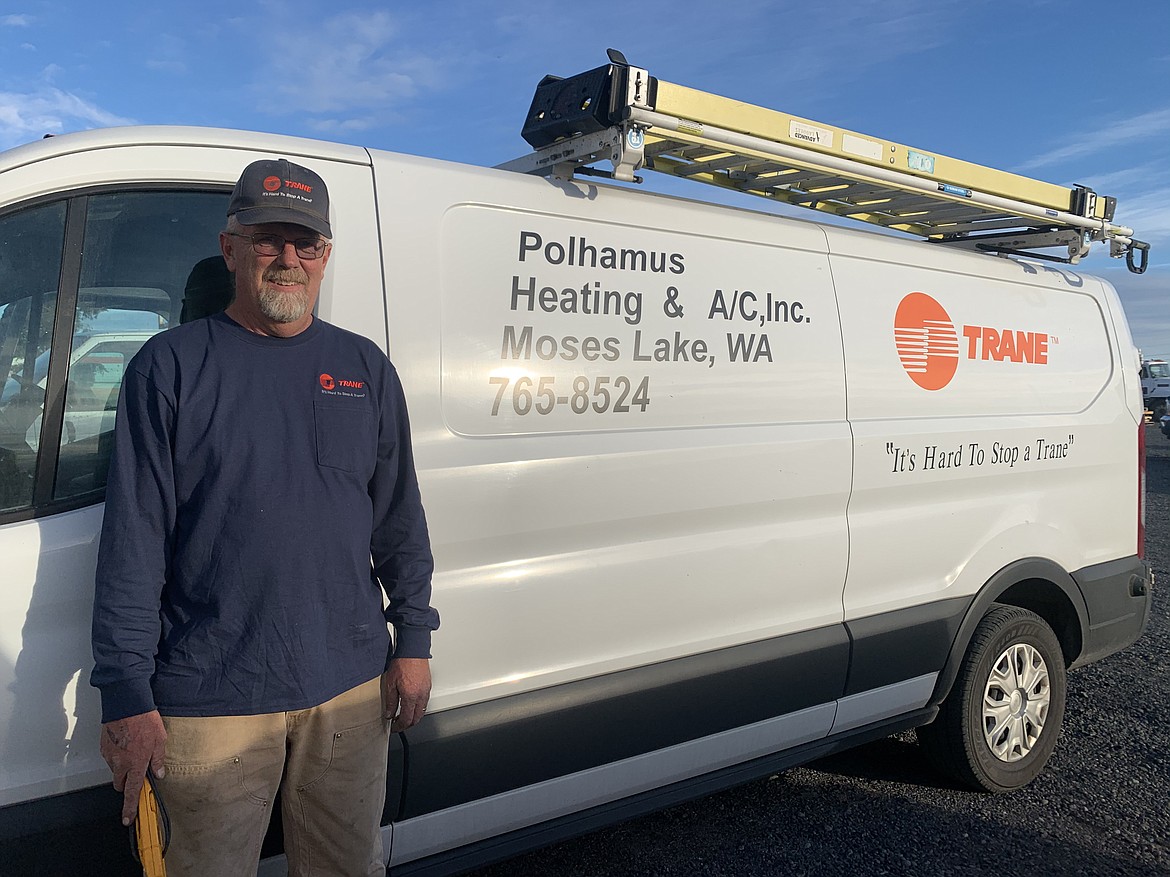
(178, 135)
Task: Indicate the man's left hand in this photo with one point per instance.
(406, 688)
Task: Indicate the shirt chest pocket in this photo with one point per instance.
(346, 439)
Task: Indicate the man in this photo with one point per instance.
(262, 485)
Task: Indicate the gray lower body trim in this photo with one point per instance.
(1118, 596)
(467, 823)
(482, 750)
(871, 707)
(902, 644)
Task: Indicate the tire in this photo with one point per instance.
(1000, 723)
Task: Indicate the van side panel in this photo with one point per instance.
(586, 540)
(1128, 357)
(990, 420)
(576, 539)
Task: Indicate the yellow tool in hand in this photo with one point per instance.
(151, 831)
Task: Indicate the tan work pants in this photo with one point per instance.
(329, 763)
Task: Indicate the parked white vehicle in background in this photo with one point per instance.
(96, 367)
(712, 492)
(1155, 385)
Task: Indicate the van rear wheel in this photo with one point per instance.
(999, 725)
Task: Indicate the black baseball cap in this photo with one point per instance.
(276, 190)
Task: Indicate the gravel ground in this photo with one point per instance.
(1102, 807)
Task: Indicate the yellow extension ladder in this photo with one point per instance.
(621, 114)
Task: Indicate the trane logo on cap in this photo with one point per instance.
(271, 184)
(929, 348)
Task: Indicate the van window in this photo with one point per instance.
(30, 264)
(140, 252)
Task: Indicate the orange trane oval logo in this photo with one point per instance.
(271, 184)
(327, 382)
(927, 341)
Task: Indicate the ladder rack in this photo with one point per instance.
(621, 114)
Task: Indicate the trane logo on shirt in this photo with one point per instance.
(331, 386)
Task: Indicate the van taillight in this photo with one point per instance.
(1141, 499)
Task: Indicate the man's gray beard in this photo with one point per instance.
(283, 307)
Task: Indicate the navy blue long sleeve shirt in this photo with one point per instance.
(261, 496)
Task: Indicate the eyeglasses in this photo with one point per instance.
(273, 245)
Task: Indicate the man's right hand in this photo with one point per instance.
(129, 746)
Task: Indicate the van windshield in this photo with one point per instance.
(1159, 369)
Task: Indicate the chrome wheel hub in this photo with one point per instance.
(1015, 702)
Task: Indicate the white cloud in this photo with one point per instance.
(342, 126)
(1132, 179)
(1122, 133)
(166, 66)
(1143, 203)
(16, 20)
(1149, 217)
(29, 116)
(369, 64)
(51, 72)
(827, 49)
(168, 54)
(354, 66)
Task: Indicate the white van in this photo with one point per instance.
(712, 492)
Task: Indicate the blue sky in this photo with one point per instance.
(1063, 90)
